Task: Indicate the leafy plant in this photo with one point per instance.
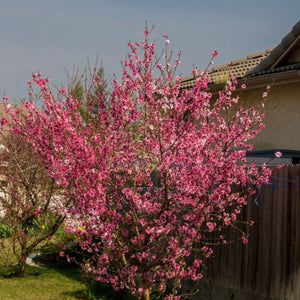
(5, 231)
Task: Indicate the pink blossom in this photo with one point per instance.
(5, 98)
(227, 221)
(197, 263)
(211, 226)
(64, 91)
(245, 240)
(278, 154)
(214, 53)
(195, 72)
(38, 211)
(243, 86)
(3, 121)
(143, 222)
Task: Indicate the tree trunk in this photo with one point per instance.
(146, 295)
(22, 264)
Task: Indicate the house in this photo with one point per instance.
(269, 266)
(279, 68)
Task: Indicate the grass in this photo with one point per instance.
(46, 284)
(49, 282)
(54, 280)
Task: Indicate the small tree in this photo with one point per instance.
(159, 170)
(88, 88)
(30, 201)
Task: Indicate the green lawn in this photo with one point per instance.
(48, 281)
(46, 284)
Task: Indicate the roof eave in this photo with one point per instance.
(263, 80)
(279, 52)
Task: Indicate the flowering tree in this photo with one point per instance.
(157, 171)
(29, 198)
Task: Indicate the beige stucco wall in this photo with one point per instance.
(282, 116)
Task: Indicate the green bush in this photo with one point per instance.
(5, 231)
(61, 242)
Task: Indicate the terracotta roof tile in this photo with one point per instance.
(238, 67)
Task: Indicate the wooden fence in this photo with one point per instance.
(269, 266)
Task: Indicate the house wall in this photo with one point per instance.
(282, 116)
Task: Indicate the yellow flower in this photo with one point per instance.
(79, 228)
(43, 227)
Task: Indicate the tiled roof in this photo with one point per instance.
(291, 67)
(265, 62)
(238, 67)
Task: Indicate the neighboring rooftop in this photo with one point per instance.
(284, 57)
(238, 67)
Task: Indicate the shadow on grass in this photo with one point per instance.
(95, 291)
(80, 294)
(70, 272)
(102, 292)
(13, 271)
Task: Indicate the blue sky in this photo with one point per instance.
(55, 35)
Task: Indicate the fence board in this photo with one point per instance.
(269, 266)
